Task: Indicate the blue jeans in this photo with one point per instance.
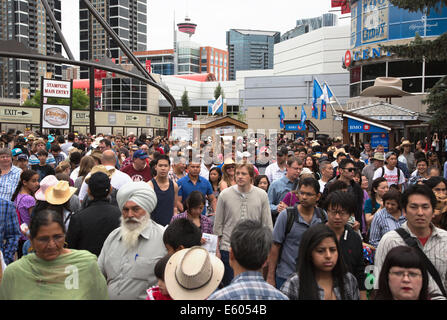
(229, 274)
(279, 282)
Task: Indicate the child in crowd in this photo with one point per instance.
(43, 169)
(159, 292)
(24, 201)
(181, 234)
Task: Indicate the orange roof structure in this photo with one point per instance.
(85, 84)
(201, 77)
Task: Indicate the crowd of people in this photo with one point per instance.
(127, 217)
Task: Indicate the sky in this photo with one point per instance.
(213, 19)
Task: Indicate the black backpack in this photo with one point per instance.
(292, 214)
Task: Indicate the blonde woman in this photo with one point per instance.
(86, 165)
(228, 176)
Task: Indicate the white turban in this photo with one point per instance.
(140, 193)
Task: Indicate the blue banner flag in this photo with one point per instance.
(303, 118)
(316, 94)
(327, 95)
(281, 117)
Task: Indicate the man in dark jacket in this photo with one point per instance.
(90, 227)
(340, 206)
(347, 171)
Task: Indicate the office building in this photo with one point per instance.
(250, 50)
(128, 19)
(306, 25)
(26, 22)
(155, 61)
(213, 60)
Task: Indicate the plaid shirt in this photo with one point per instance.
(249, 285)
(206, 226)
(173, 177)
(9, 182)
(382, 223)
(291, 288)
(9, 230)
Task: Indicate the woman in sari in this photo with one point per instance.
(53, 272)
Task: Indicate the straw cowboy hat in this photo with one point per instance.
(45, 183)
(405, 143)
(385, 87)
(227, 162)
(99, 168)
(193, 274)
(379, 156)
(59, 193)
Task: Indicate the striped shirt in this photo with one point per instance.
(33, 159)
(291, 288)
(9, 182)
(9, 230)
(382, 223)
(434, 249)
(249, 285)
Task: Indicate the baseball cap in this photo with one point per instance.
(140, 154)
(16, 151)
(22, 156)
(389, 154)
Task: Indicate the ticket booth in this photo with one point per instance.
(357, 129)
(294, 126)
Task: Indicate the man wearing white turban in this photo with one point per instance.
(131, 251)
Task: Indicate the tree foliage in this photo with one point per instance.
(185, 101)
(80, 100)
(429, 50)
(437, 103)
(218, 92)
(418, 5)
(419, 48)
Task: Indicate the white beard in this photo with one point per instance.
(131, 231)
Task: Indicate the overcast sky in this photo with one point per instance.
(213, 18)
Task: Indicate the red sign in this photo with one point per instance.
(348, 58)
(366, 127)
(344, 4)
(148, 66)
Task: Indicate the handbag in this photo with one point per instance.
(411, 242)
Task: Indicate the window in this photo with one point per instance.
(355, 74)
(430, 82)
(435, 68)
(372, 71)
(412, 84)
(402, 69)
(354, 90)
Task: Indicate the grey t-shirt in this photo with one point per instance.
(290, 244)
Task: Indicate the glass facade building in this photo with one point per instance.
(127, 18)
(306, 25)
(188, 54)
(250, 50)
(124, 94)
(26, 22)
(161, 61)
